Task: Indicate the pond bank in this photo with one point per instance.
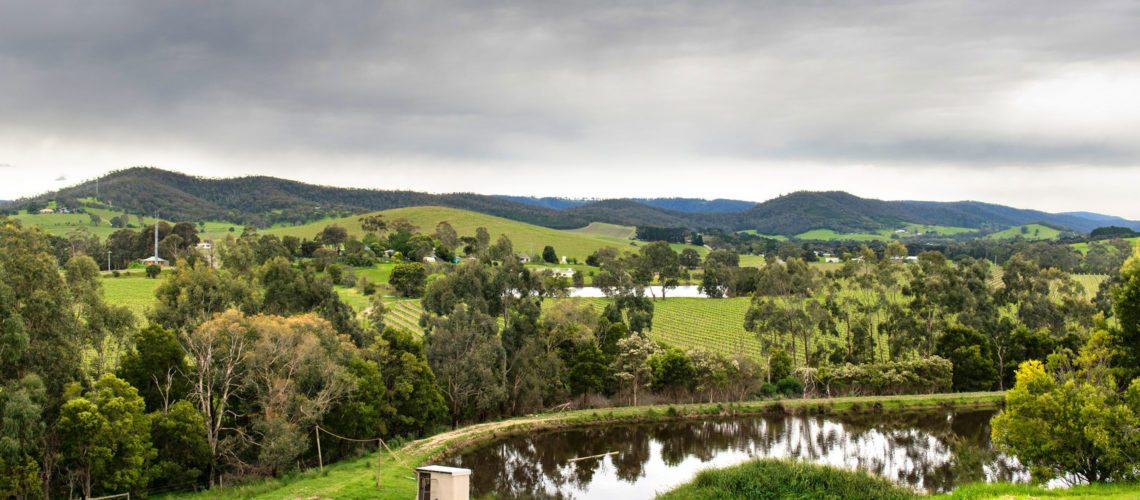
(355, 478)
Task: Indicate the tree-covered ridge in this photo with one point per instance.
(263, 201)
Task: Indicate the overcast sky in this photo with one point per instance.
(1032, 104)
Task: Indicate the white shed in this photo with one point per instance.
(439, 482)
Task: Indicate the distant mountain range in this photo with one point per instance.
(268, 200)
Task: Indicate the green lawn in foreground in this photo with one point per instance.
(1006, 491)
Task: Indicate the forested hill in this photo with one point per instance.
(844, 212)
(263, 201)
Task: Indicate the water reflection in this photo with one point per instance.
(930, 451)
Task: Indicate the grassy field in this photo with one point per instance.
(1033, 232)
(1090, 282)
(1006, 491)
(608, 230)
(830, 235)
(909, 231)
(1083, 247)
(62, 224)
(356, 478)
(527, 238)
(713, 324)
(135, 292)
(753, 232)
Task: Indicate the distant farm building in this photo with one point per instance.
(47, 211)
(561, 273)
(159, 261)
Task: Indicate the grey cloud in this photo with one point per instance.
(887, 82)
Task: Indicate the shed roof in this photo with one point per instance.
(443, 469)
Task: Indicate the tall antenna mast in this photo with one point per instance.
(156, 235)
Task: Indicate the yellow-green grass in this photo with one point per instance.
(63, 224)
(715, 325)
(757, 261)
(137, 293)
(1090, 282)
(1083, 247)
(356, 478)
(526, 238)
(910, 231)
(753, 232)
(1033, 232)
(784, 478)
(405, 315)
(1007, 491)
(920, 229)
(608, 230)
(832, 235)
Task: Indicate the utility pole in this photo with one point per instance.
(108, 261)
(320, 459)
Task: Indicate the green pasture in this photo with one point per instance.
(608, 230)
(753, 232)
(62, 224)
(1083, 247)
(1032, 232)
(135, 292)
(526, 238)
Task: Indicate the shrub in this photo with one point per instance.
(769, 478)
(153, 270)
(790, 386)
(767, 390)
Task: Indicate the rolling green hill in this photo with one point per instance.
(527, 238)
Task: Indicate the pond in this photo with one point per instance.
(929, 451)
(685, 291)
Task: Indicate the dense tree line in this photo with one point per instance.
(666, 234)
(231, 376)
(237, 366)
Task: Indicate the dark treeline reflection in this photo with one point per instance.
(929, 451)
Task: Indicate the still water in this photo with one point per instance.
(929, 451)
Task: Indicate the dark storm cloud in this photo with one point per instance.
(921, 82)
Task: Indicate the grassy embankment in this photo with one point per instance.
(770, 478)
(356, 478)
